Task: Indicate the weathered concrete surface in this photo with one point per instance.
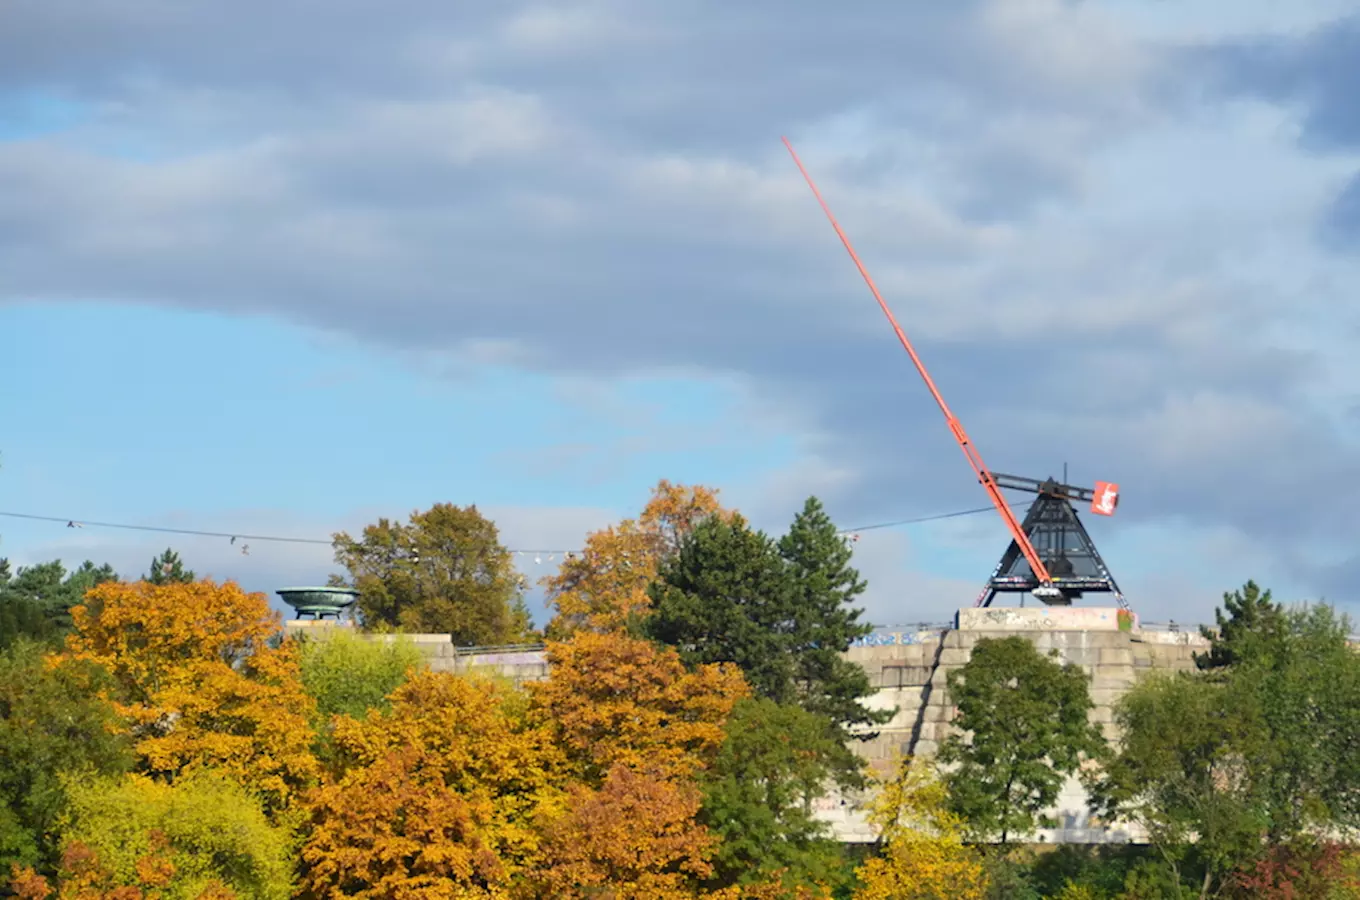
(912, 679)
(909, 670)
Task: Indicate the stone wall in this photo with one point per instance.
(910, 669)
(911, 677)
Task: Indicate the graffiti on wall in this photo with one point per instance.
(882, 638)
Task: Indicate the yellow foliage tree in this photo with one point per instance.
(606, 586)
(199, 683)
(923, 854)
(204, 837)
(614, 699)
(440, 798)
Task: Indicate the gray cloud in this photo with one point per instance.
(1315, 72)
(597, 188)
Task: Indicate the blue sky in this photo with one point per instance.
(538, 257)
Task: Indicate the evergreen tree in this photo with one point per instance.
(36, 601)
(781, 611)
(825, 619)
(167, 569)
(728, 596)
(1255, 624)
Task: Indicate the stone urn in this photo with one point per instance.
(319, 602)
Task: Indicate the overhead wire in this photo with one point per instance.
(234, 536)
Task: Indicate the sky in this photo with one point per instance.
(281, 269)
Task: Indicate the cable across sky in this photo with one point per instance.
(234, 536)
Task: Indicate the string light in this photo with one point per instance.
(852, 534)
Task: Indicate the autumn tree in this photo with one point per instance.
(445, 571)
(167, 568)
(203, 837)
(439, 793)
(614, 699)
(200, 681)
(634, 836)
(1022, 728)
(345, 674)
(605, 587)
(51, 723)
(922, 854)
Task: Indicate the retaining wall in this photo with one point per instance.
(912, 677)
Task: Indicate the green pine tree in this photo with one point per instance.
(1254, 625)
(826, 620)
(168, 569)
(782, 611)
(728, 596)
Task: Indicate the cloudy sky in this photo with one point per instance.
(281, 268)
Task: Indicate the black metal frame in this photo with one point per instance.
(1050, 521)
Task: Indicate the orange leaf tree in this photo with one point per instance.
(635, 836)
(199, 682)
(614, 699)
(606, 586)
(440, 795)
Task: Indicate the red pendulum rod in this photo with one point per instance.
(955, 426)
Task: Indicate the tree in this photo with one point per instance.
(774, 762)
(606, 586)
(729, 597)
(443, 572)
(1022, 727)
(922, 854)
(348, 675)
(39, 598)
(205, 836)
(1254, 624)
(612, 699)
(168, 568)
(634, 836)
(50, 724)
(826, 621)
(1238, 767)
(782, 612)
(440, 793)
(200, 681)
(1182, 772)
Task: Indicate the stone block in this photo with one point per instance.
(1102, 714)
(954, 657)
(1110, 640)
(1113, 678)
(1083, 656)
(916, 676)
(1106, 696)
(927, 748)
(1116, 656)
